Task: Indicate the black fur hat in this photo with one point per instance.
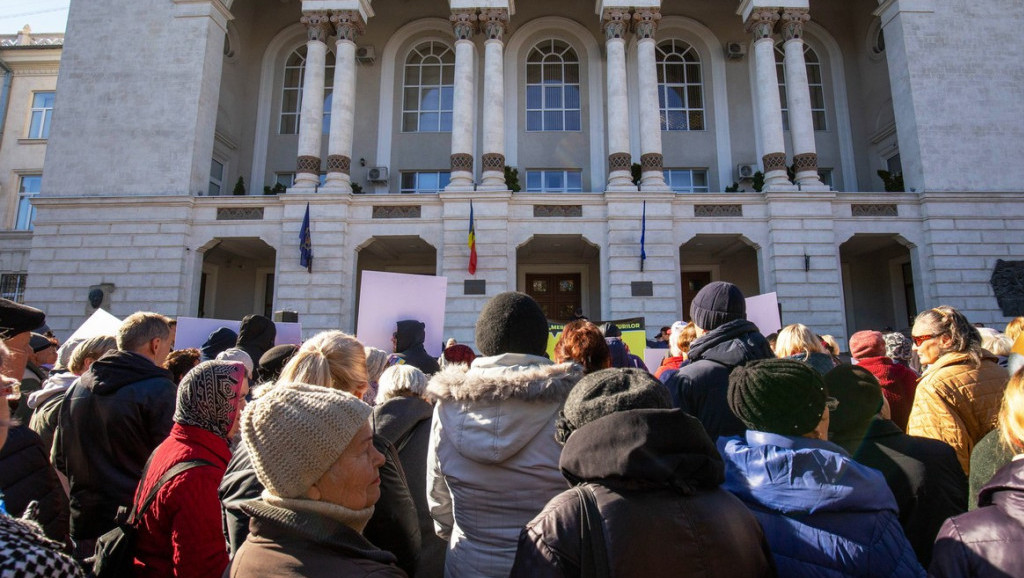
(512, 322)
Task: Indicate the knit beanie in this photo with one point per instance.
(237, 355)
(608, 391)
(859, 396)
(897, 346)
(399, 380)
(867, 344)
(295, 432)
(717, 304)
(512, 322)
(273, 361)
(779, 396)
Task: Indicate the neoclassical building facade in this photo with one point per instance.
(729, 140)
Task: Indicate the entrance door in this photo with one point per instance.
(692, 282)
(558, 294)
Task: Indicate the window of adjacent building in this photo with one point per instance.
(814, 83)
(291, 91)
(42, 110)
(554, 181)
(28, 188)
(680, 86)
(428, 88)
(825, 175)
(216, 177)
(552, 87)
(425, 181)
(12, 286)
(687, 180)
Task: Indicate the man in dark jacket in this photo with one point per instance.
(725, 340)
(111, 420)
(256, 335)
(408, 339)
(924, 474)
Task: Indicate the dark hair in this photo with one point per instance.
(458, 353)
(583, 343)
(180, 361)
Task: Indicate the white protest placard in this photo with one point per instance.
(387, 298)
(194, 331)
(763, 311)
(653, 358)
(99, 323)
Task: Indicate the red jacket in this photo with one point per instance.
(898, 382)
(181, 534)
(669, 363)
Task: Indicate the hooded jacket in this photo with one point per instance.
(656, 476)
(824, 514)
(898, 382)
(221, 339)
(493, 459)
(409, 339)
(110, 421)
(989, 541)
(46, 406)
(255, 336)
(701, 387)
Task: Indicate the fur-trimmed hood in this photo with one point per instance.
(508, 376)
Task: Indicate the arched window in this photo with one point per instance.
(680, 86)
(429, 87)
(291, 91)
(814, 82)
(552, 87)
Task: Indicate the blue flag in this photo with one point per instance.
(306, 243)
(643, 235)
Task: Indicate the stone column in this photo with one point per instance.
(769, 104)
(349, 24)
(620, 177)
(645, 24)
(798, 95)
(494, 21)
(463, 24)
(307, 170)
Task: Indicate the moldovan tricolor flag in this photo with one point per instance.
(472, 242)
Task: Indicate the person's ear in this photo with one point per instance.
(154, 345)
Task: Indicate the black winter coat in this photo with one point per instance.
(255, 336)
(701, 387)
(989, 541)
(409, 345)
(26, 475)
(656, 477)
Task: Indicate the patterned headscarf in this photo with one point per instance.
(897, 347)
(209, 395)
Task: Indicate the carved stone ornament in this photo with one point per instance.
(339, 164)
(645, 22)
(651, 162)
(495, 21)
(318, 25)
(239, 213)
(1008, 285)
(308, 164)
(874, 210)
(793, 22)
(493, 162)
(463, 24)
(615, 23)
(718, 210)
(396, 211)
(762, 23)
(619, 162)
(348, 24)
(774, 162)
(806, 162)
(557, 211)
(462, 162)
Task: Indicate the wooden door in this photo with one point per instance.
(692, 282)
(558, 294)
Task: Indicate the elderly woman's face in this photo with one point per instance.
(928, 342)
(353, 481)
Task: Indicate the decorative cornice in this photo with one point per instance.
(762, 23)
(615, 22)
(463, 24)
(318, 25)
(645, 22)
(348, 24)
(495, 22)
(874, 210)
(557, 211)
(793, 20)
(239, 213)
(718, 210)
(396, 211)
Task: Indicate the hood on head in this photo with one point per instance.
(732, 344)
(256, 335)
(410, 333)
(221, 339)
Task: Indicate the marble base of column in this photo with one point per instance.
(775, 175)
(620, 173)
(652, 174)
(307, 172)
(806, 167)
(493, 176)
(338, 177)
(462, 173)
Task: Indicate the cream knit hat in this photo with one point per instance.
(295, 432)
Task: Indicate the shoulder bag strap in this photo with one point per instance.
(168, 476)
(593, 548)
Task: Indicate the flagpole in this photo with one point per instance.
(643, 235)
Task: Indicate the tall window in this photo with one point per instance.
(42, 110)
(425, 181)
(554, 181)
(552, 87)
(12, 286)
(28, 188)
(814, 82)
(687, 180)
(216, 178)
(680, 86)
(291, 91)
(428, 88)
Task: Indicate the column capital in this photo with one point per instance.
(494, 22)
(645, 22)
(463, 23)
(615, 22)
(318, 25)
(793, 20)
(761, 22)
(348, 24)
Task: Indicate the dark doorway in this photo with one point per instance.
(558, 294)
(692, 282)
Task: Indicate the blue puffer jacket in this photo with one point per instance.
(824, 515)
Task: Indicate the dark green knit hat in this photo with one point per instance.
(607, 391)
(779, 396)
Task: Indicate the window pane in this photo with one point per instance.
(448, 74)
(676, 120)
(430, 122)
(819, 120)
(216, 170)
(700, 178)
(409, 122)
(553, 73)
(431, 74)
(408, 181)
(35, 129)
(553, 181)
(693, 73)
(428, 182)
(553, 120)
(444, 178)
(533, 74)
(214, 190)
(43, 100)
(817, 97)
(446, 122)
(447, 97)
(572, 120)
(410, 98)
(533, 121)
(674, 73)
(694, 97)
(291, 101)
(533, 97)
(574, 181)
(572, 73)
(553, 97)
(412, 75)
(430, 99)
(533, 180)
(814, 74)
(289, 124)
(696, 120)
(572, 97)
(675, 97)
(31, 183)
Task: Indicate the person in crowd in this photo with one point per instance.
(273, 361)
(408, 341)
(798, 342)
(899, 348)
(725, 340)
(376, 363)
(989, 541)
(219, 340)
(256, 336)
(111, 420)
(988, 457)
(823, 513)
(654, 473)
(181, 361)
(42, 354)
(996, 343)
(680, 339)
(831, 345)
(457, 353)
(660, 340)
(923, 474)
(180, 534)
(336, 360)
(240, 356)
(958, 396)
(312, 449)
(617, 348)
(402, 415)
(582, 342)
(1014, 328)
(898, 381)
(493, 432)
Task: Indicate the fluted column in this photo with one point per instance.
(349, 24)
(615, 24)
(645, 24)
(798, 96)
(769, 104)
(463, 25)
(494, 21)
(307, 169)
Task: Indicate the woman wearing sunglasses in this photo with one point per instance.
(958, 396)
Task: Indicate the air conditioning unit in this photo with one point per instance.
(366, 54)
(735, 50)
(745, 171)
(377, 175)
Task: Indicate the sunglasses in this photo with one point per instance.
(920, 339)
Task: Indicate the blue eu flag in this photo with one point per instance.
(306, 243)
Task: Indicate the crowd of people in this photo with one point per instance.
(741, 454)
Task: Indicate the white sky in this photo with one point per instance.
(42, 15)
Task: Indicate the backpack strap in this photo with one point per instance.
(593, 548)
(178, 468)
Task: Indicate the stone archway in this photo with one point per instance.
(706, 258)
(878, 282)
(393, 254)
(563, 273)
(237, 279)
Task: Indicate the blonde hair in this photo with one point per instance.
(994, 342)
(1014, 328)
(92, 348)
(831, 344)
(681, 340)
(1011, 414)
(332, 359)
(797, 338)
